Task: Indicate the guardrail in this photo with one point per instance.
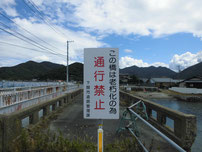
(12, 124)
(16, 89)
(184, 125)
(14, 101)
(8, 84)
(130, 109)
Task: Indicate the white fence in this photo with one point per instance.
(17, 100)
(186, 90)
(9, 84)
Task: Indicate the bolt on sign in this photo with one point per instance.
(101, 83)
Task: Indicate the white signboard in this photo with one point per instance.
(101, 83)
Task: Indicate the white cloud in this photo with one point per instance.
(41, 58)
(158, 64)
(57, 43)
(5, 62)
(129, 61)
(128, 51)
(8, 7)
(180, 62)
(141, 17)
(38, 2)
(11, 11)
(7, 2)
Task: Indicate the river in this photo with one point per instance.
(189, 108)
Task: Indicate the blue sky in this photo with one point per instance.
(148, 33)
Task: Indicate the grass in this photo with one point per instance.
(38, 141)
(37, 138)
(48, 142)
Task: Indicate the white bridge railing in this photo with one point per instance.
(12, 101)
(21, 84)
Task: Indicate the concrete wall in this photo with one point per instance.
(11, 125)
(184, 131)
(139, 88)
(186, 90)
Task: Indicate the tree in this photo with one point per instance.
(133, 80)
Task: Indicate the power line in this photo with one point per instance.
(18, 37)
(25, 30)
(39, 14)
(11, 44)
(30, 4)
(22, 39)
(26, 38)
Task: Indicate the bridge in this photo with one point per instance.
(18, 106)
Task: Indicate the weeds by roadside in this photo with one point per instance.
(38, 141)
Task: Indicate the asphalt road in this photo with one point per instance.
(72, 125)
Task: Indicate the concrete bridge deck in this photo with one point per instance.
(72, 125)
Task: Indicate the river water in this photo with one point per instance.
(189, 108)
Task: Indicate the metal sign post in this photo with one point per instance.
(101, 86)
(100, 136)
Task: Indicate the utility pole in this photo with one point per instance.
(68, 61)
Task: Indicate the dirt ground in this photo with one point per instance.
(72, 125)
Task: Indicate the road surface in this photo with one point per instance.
(72, 125)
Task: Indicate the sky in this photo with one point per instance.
(164, 33)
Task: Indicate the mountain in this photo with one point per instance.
(42, 71)
(51, 71)
(148, 72)
(27, 71)
(75, 73)
(195, 70)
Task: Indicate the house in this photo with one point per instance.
(193, 82)
(144, 80)
(163, 82)
(124, 78)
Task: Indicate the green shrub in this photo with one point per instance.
(37, 141)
